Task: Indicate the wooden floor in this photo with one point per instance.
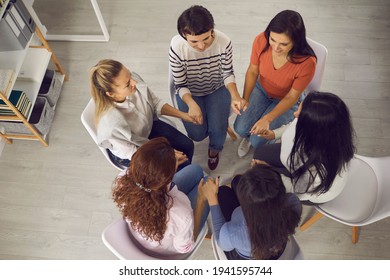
(55, 201)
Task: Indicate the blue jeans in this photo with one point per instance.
(261, 104)
(215, 109)
(187, 181)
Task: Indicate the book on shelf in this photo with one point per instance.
(20, 100)
(6, 76)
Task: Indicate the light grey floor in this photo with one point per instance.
(55, 201)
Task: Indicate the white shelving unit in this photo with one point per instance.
(29, 66)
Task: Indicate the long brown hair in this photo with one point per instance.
(102, 77)
(142, 193)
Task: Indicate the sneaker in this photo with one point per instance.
(244, 147)
(213, 161)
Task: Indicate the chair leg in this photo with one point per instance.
(355, 234)
(231, 133)
(311, 221)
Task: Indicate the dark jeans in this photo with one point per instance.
(270, 153)
(178, 141)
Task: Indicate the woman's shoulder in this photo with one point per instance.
(222, 36)
(177, 42)
(111, 115)
(260, 38)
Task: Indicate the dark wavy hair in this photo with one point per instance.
(270, 220)
(196, 20)
(323, 143)
(290, 23)
(152, 167)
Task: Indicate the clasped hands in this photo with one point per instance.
(261, 128)
(209, 190)
(195, 115)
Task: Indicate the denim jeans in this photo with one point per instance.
(187, 181)
(215, 109)
(261, 104)
(178, 140)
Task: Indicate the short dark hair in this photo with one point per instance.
(196, 20)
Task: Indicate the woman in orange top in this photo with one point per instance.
(282, 65)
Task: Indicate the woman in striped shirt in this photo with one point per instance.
(201, 65)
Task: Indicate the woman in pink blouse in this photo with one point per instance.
(162, 209)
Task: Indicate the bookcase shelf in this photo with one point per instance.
(28, 66)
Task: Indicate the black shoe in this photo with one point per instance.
(213, 161)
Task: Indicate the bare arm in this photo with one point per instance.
(237, 103)
(251, 76)
(199, 207)
(193, 109)
(168, 110)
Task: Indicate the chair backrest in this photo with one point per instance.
(294, 250)
(365, 198)
(117, 239)
(321, 53)
(87, 118)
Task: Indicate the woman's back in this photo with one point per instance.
(178, 236)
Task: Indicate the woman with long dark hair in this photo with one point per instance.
(315, 148)
(254, 217)
(282, 64)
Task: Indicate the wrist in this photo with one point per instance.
(267, 118)
(213, 201)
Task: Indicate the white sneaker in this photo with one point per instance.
(244, 147)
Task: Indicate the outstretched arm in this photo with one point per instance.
(168, 110)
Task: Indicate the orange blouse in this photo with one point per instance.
(278, 82)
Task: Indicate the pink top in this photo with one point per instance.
(278, 82)
(178, 237)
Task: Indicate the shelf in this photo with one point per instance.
(2, 9)
(29, 65)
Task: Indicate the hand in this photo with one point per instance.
(209, 190)
(260, 127)
(238, 105)
(258, 161)
(180, 157)
(268, 134)
(186, 117)
(195, 113)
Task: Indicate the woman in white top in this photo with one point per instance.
(315, 148)
(163, 216)
(127, 111)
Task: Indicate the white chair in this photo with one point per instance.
(87, 118)
(172, 93)
(364, 200)
(294, 250)
(122, 244)
(321, 53)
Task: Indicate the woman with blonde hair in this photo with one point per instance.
(127, 111)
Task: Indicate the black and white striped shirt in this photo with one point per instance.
(201, 73)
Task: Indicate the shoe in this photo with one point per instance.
(213, 161)
(244, 147)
